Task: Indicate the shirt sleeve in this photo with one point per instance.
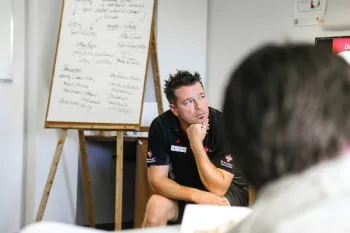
(223, 157)
(156, 154)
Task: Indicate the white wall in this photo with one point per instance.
(235, 27)
(181, 33)
(5, 39)
(11, 132)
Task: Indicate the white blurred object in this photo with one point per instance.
(337, 15)
(54, 227)
(345, 55)
(197, 218)
(209, 218)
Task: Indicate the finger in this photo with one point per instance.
(208, 127)
(205, 123)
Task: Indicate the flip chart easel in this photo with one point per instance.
(98, 80)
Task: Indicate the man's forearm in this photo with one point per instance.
(212, 178)
(170, 189)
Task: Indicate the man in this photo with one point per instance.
(286, 114)
(188, 138)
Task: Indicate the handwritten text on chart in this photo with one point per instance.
(106, 42)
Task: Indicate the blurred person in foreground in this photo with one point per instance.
(286, 114)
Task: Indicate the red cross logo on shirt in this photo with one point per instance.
(228, 158)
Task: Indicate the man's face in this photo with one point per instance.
(191, 104)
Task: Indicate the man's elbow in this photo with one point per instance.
(155, 185)
(219, 189)
(153, 188)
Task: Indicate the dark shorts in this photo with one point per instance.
(237, 196)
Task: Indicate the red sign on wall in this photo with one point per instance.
(341, 46)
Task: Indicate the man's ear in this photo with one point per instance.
(173, 109)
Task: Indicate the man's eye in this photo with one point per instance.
(188, 102)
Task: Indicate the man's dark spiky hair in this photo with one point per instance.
(181, 78)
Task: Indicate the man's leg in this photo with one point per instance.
(159, 211)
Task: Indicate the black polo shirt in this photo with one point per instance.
(169, 145)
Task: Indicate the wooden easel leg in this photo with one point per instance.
(155, 70)
(50, 178)
(119, 182)
(87, 183)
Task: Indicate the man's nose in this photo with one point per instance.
(197, 104)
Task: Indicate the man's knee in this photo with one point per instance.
(159, 211)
